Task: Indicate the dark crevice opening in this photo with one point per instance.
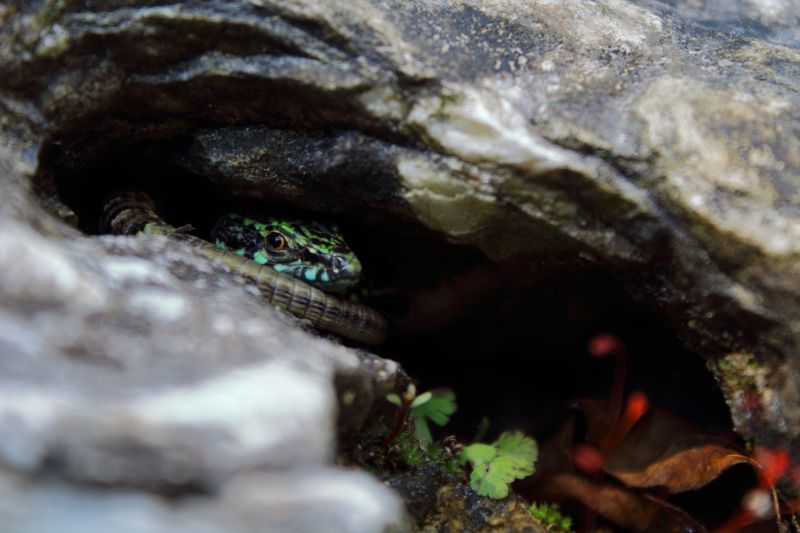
(514, 352)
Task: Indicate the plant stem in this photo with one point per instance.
(400, 419)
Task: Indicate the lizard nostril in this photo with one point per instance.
(308, 257)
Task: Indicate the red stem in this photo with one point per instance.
(399, 422)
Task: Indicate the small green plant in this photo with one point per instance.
(413, 456)
(410, 452)
(433, 406)
(549, 515)
(495, 466)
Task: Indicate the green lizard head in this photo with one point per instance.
(311, 251)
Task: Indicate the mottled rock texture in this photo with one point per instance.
(659, 140)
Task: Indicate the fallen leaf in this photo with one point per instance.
(655, 432)
(599, 422)
(627, 509)
(687, 464)
(665, 450)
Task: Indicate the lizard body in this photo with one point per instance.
(133, 213)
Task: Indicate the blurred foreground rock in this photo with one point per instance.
(129, 363)
(658, 140)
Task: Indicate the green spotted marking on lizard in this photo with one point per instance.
(308, 250)
(133, 213)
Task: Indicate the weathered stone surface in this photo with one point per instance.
(443, 502)
(305, 501)
(663, 147)
(163, 356)
(657, 139)
(123, 370)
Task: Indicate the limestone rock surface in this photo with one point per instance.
(658, 140)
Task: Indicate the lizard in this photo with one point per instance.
(307, 250)
(296, 266)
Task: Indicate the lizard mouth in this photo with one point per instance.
(336, 275)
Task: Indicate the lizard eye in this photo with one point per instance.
(276, 241)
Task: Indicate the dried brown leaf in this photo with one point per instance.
(599, 422)
(638, 512)
(665, 450)
(687, 464)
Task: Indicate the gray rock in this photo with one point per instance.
(657, 140)
(304, 501)
(119, 370)
(130, 362)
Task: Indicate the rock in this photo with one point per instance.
(660, 143)
(124, 371)
(444, 502)
(656, 140)
(200, 379)
(307, 501)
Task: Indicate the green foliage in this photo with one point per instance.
(452, 465)
(550, 517)
(413, 456)
(432, 406)
(395, 399)
(495, 466)
(410, 452)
